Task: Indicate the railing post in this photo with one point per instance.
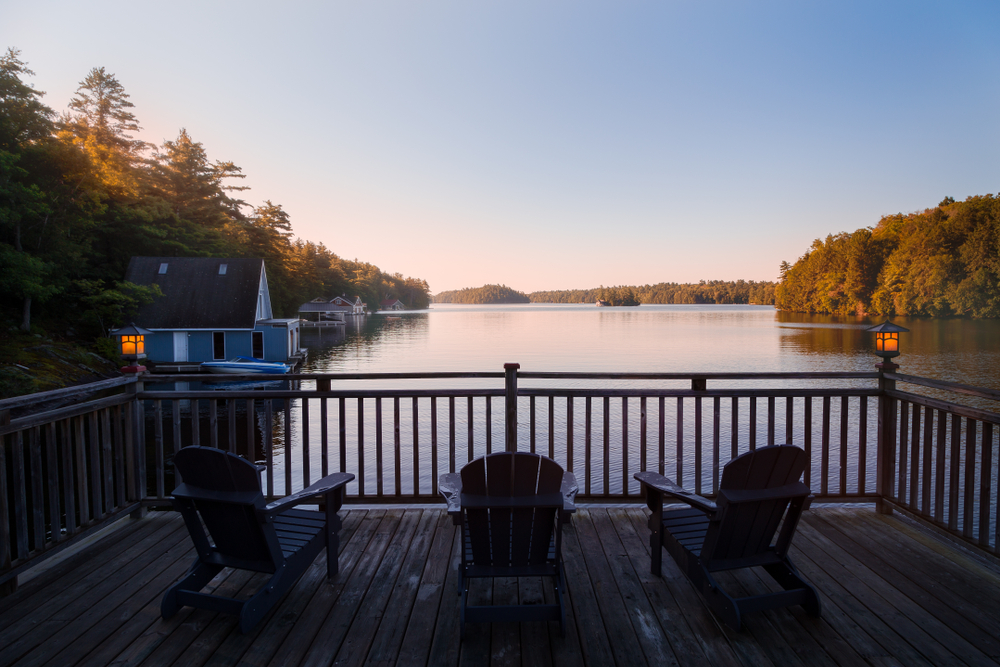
(510, 400)
(885, 470)
(138, 444)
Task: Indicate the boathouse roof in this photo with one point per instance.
(201, 292)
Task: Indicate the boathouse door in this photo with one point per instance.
(180, 346)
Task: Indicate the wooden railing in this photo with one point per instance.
(68, 470)
(65, 471)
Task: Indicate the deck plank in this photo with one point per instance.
(893, 594)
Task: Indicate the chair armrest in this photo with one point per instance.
(450, 486)
(661, 484)
(324, 486)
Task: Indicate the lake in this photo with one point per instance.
(655, 338)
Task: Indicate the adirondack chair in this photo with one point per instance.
(511, 507)
(221, 492)
(757, 489)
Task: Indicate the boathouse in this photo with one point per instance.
(212, 308)
(391, 304)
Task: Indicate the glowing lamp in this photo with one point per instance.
(132, 346)
(887, 339)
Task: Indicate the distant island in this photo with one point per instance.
(482, 295)
(704, 292)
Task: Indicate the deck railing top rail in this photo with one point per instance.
(79, 390)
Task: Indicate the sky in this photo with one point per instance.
(553, 144)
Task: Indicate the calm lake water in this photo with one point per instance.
(655, 338)
(578, 338)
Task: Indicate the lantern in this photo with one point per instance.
(132, 346)
(887, 339)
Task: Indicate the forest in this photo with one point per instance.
(484, 294)
(80, 195)
(706, 292)
(941, 262)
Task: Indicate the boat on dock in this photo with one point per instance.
(242, 365)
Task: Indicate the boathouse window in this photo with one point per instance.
(218, 344)
(258, 344)
(222, 269)
(163, 268)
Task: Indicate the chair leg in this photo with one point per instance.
(656, 552)
(788, 578)
(196, 578)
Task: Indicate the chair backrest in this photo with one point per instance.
(755, 490)
(225, 490)
(510, 502)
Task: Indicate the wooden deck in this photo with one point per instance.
(893, 594)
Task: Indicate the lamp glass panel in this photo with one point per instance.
(892, 343)
(128, 345)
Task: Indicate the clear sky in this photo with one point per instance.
(556, 144)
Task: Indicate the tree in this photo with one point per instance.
(101, 123)
(23, 117)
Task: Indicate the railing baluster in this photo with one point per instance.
(789, 417)
(158, 442)
(119, 456)
(20, 496)
(843, 444)
(587, 432)
(67, 450)
(397, 443)
(807, 437)
(716, 410)
(735, 429)
(956, 443)
(968, 507)
(304, 419)
(6, 551)
(287, 410)
(531, 422)
(939, 474)
(904, 434)
(196, 422)
(862, 444)
(569, 432)
(469, 425)
(251, 451)
(378, 447)
(94, 449)
(361, 447)
(324, 438)
(552, 427)
(661, 435)
(416, 448)
(985, 484)
(268, 444)
(697, 445)
(37, 489)
(624, 445)
(109, 469)
(925, 503)
(451, 434)
(607, 445)
(342, 429)
(434, 445)
(753, 423)
(175, 419)
(824, 481)
(52, 465)
(915, 456)
(770, 420)
(213, 423)
(680, 440)
(231, 425)
(489, 425)
(642, 433)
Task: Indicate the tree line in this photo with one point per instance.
(943, 261)
(484, 294)
(80, 195)
(704, 292)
